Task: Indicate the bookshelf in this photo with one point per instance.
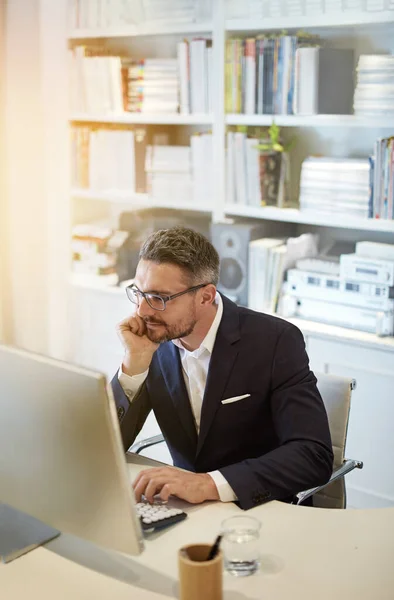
(293, 215)
(354, 18)
(140, 31)
(93, 311)
(134, 200)
(143, 119)
(326, 134)
(316, 121)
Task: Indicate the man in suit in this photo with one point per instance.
(231, 388)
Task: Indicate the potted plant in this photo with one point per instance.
(274, 168)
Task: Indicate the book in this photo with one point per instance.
(183, 58)
(260, 73)
(260, 277)
(324, 81)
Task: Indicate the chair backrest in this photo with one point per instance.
(336, 393)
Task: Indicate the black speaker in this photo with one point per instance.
(232, 243)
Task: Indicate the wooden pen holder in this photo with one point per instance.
(200, 578)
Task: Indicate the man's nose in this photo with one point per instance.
(144, 310)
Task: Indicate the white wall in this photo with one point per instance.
(36, 171)
(28, 242)
(55, 100)
(4, 282)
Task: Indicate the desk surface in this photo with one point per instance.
(306, 553)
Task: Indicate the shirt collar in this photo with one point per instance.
(209, 340)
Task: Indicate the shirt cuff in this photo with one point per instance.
(225, 491)
(131, 383)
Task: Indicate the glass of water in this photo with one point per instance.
(240, 545)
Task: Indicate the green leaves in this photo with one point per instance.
(274, 143)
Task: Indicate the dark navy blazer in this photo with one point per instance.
(268, 446)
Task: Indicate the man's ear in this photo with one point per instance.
(208, 294)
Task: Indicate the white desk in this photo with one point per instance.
(306, 554)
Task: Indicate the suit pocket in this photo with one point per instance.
(235, 399)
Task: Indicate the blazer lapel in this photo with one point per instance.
(224, 353)
(171, 368)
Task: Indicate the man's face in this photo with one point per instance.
(180, 316)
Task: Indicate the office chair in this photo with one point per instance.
(336, 393)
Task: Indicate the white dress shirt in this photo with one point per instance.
(195, 371)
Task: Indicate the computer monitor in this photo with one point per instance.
(61, 455)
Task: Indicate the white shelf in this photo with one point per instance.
(339, 19)
(136, 200)
(115, 196)
(141, 30)
(144, 118)
(342, 333)
(293, 215)
(309, 121)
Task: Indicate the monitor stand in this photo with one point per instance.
(20, 533)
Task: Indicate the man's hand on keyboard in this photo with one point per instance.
(169, 481)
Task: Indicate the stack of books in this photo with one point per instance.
(243, 169)
(324, 81)
(382, 179)
(95, 253)
(182, 173)
(269, 258)
(175, 11)
(374, 94)
(169, 173)
(101, 84)
(287, 74)
(99, 14)
(107, 14)
(260, 75)
(195, 76)
(266, 268)
(335, 186)
(103, 159)
(272, 9)
(122, 160)
(151, 85)
(95, 82)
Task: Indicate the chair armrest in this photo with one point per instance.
(152, 441)
(345, 468)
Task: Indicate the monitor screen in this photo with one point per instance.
(61, 456)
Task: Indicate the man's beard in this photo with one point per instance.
(171, 332)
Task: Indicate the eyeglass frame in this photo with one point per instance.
(164, 299)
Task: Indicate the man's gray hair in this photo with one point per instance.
(187, 249)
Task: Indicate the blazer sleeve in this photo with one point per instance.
(132, 415)
(304, 457)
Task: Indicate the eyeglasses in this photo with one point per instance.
(156, 301)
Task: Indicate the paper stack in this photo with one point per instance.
(374, 95)
(169, 173)
(151, 85)
(339, 186)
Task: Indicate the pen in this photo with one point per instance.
(215, 548)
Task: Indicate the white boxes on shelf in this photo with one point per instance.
(374, 94)
(275, 9)
(169, 172)
(335, 186)
(110, 14)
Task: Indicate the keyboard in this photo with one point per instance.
(158, 515)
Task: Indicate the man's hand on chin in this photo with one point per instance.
(166, 481)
